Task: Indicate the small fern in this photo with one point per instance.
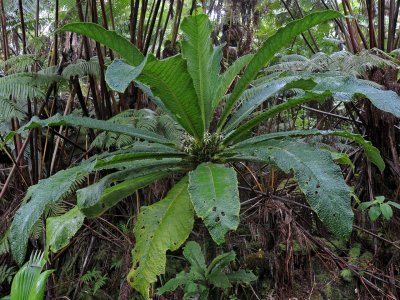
(95, 279)
(343, 61)
(6, 274)
(22, 86)
(143, 119)
(20, 63)
(4, 243)
(9, 109)
(82, 68)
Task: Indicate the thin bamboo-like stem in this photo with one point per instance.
(133, 20)
(353, 41)
(151, 28)
(171, 7)
(23, 29)
(293, 18)
(381, 24)
(153, 47)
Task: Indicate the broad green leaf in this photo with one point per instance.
(219, 279)
(319, 178)
(170, 81)
(386, 210)
(37, 291)
(171, 285)
(160, 227)
(394, 204)
(371, 151)
(365, 205)
(29, 282)
(221, 261)
(244, 129)
(47, 191)
(119, 74)
(195, 257)
(374, 212)
(60, 230)
(226, 79)
(253, 98)
(344, 88)
(214, 193)
(69, 120)
(197, 49)
(242, 276)
(108, 38)
(272, 45)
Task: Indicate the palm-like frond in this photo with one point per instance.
(9, 109)
(143, 119)
(343, 61)
(82, 68)
(22, 86)
(19, 63)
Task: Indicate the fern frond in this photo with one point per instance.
(4, 244)
(82, 68)
(9, 109)
(143, 119)
(19, 63)
(25, 85)
(6, 273)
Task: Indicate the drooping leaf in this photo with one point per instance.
(272, 45)
(197, 49)
(171, 285)
(47, 191)
(157, 230)
(108, 38)
(119, 74)
(219, 279)
(386, 210)
(344, 88)
(374, 212)
(244, 129)
(214, 193)
(252, 98)
(97, 198)
(60, 230)
(242, 276)
(319, 178)
(69, 120)
(371, 151)
(170, 82)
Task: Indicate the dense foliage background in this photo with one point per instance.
(279, 238)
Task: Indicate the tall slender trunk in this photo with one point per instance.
(151, 28)
(23, 29)
(392, 26)
(87, 53)
(381, 24)
(171, 7)
(134, 19)
(153, 47)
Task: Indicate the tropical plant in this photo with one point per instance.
(189, 88)
(29, 283)
(201, 278)
(378, 207)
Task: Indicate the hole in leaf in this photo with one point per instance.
(214, 208)
(222, 213)
(318, 186)
(216, 219)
